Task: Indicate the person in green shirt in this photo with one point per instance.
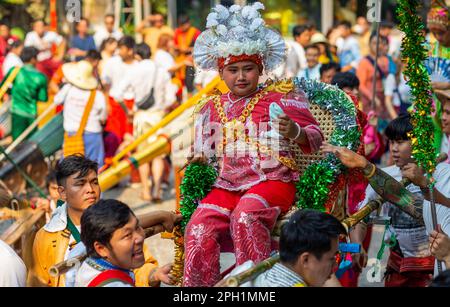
(28, 87)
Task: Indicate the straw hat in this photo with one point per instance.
(318, 38)
(80, 74)
(442, 94)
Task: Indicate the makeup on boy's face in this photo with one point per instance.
(241, 78)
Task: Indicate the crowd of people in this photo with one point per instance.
(112, 90)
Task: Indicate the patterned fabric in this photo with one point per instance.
(249, 215)
(279, 276)
(242, 170)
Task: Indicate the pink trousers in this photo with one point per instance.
(241, 221)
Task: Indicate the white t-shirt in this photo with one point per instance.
(102, 34)
(397, 91)
(296, 59)
(75, 101)
(140, 79)
(114, 71)
(164, 59)
(11, 60)
(43, 44)
(13, 272)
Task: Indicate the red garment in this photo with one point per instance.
(240, 172)
(246, 218)
(48, 67)
(117, 121)
(409, 271)
(186, 39)
(109, 276)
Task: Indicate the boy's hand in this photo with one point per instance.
(287, 127)
(415, 174)
(348, 158)
(170, 219)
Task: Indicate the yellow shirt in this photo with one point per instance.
(152, 34)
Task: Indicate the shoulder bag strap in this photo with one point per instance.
(86, 113)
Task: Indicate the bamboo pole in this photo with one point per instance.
(167, 120)
(63, 267)
(250, 274)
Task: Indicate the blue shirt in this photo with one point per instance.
(84, 44)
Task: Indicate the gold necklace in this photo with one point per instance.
(238, 129)
(245, 113)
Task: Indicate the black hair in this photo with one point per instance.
(183, 19)
(16, 43)
(442, 280)
(106, 41)
(345, 79)
(40, 20)
(93, 55)
(28, 53)
(312, 47)
(74, 164)
(346, 24)
(51, 178)
(127, 41)
(329, 66)
(386, 24)
(143, 50)
(298, 30)
(100, 221)
(383, 39)
(82, 19)
(398, 128)
(110, 15)
(308, 231)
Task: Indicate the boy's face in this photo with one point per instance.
(304, 38)
(53, 191)
(345, 32)
(328, 75)
(126, 53)
(315, 271)
(126, 247)
(80, 193)
(354, 91)
(82, 27)
(312, 57)
(446, 117)
(442, 36)
(401, 152)
(241, 78)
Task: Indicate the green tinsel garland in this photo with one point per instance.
(414, 54)
(313, 187)
(197, 182)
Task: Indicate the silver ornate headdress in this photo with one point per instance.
(238, 32)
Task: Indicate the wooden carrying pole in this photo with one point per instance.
(250, 274)
(168, 119)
